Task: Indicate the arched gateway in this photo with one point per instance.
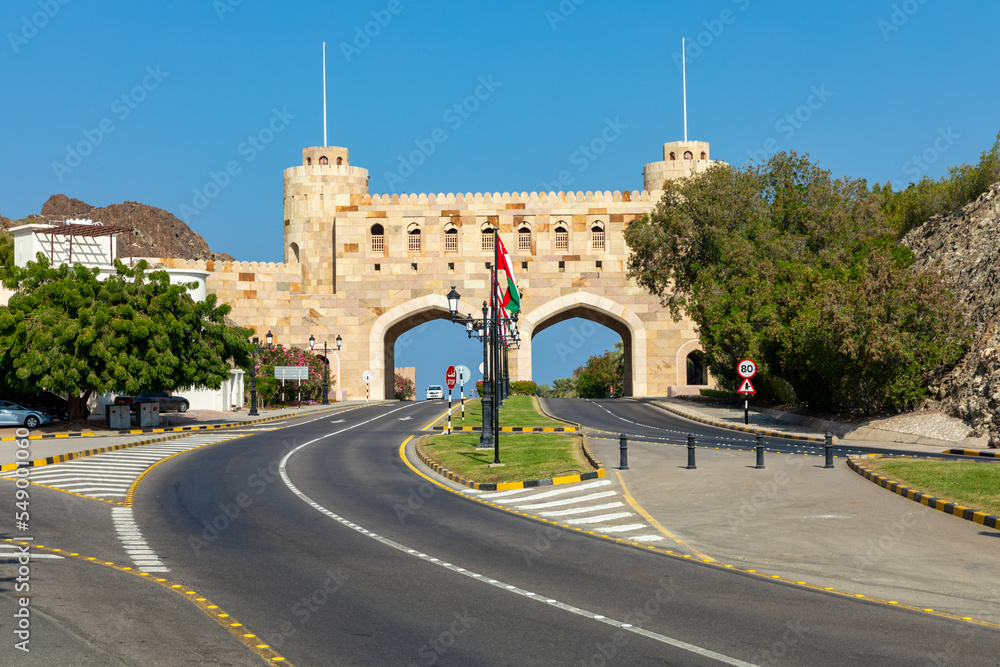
(371, 267)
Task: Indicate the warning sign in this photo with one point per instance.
(746, 387)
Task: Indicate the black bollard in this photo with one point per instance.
(691, 465)
(760, 452)
(829, 450)
(623, 448)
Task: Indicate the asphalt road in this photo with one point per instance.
(323, 544)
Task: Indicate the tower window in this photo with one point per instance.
(562, 239)
(688, 155)
(323, 160)
(378, 239)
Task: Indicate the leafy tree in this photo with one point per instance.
(800, 272)
(270, 389)
(68, 332)
(561, 388)
(6, 250)
(913, 206)
(404, 389)
(598, 375)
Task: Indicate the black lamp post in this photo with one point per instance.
(253, 379)
(481, 328)
(326, 366)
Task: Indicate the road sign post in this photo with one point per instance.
(746, 369)
(463, 374)
(367, 377)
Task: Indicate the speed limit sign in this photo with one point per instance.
(746, 369)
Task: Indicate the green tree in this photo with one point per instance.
(68, 332)
(799, 271)
(595, 378)
(914, 205)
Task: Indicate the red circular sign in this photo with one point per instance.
(451, 377)
(746, 369)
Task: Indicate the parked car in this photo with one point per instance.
(435, 391)
(56, 406)
(167, 401)
(15, 414)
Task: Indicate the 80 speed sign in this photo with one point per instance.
(746, 369)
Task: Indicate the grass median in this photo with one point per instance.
(525, 456)
(969, 483)
(517, 411)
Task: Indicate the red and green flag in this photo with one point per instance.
(512, 297)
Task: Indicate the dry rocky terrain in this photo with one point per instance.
(157, 233)
(964, 249)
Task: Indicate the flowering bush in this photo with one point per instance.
(404, 389)
(269, 390)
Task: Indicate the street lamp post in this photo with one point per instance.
(326, 366)
(481, 328)
(253, 379)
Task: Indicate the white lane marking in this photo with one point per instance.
(583, 521)
(628, 627)
(490, 495)
(134, 544)
(567, 501)
(583, 510)
(621, 529)
(561, 491)
(646, 538)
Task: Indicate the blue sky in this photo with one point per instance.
(110, 101)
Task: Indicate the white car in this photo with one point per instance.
(435, 391)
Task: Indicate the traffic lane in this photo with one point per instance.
(319, 590)
(86, 613)
(469, 534)
(643, 422)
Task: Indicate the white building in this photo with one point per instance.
(93, 244)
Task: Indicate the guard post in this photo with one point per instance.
(691, 464)
(828, 446)
(623, 450)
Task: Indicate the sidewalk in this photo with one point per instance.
(54, 440)
(914, 431)
(795, 520)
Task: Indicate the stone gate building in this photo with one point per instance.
(370, 267)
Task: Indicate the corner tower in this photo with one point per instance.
(314, 193)
(680, 160)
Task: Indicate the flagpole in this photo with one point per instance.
(324, 93)
(684, 77)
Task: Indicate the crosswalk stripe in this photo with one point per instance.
(563, 491)
(583, 510)
(567, 501)
(621, 529)
(603, 518)
(109, 475)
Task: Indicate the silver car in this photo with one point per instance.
(15, 414)
(435, 391)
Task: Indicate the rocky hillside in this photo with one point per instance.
(964, 248)
(158, 233)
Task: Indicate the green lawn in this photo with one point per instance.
(975, 485)
(517, 411)
(525, 456)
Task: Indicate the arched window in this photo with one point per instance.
(688, 155)
(451, 238)
(703, 156)
(340, 161)
(309, 160)
(323, 160)
(488, 233)
(524, 238)
(294, 247)
(378, 239)
(597, 237)
(413, 239)
(673, 155)
(562, 238)
(697, 373)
